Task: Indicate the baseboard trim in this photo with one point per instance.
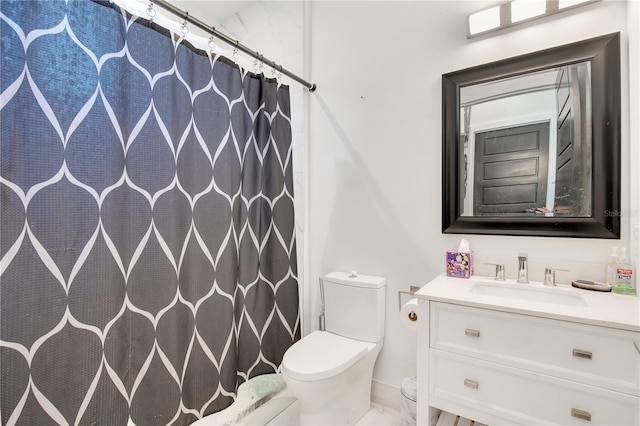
(385, 394)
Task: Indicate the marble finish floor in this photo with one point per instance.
(379, 415)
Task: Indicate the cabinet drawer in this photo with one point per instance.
(519, 396)
(594, 355)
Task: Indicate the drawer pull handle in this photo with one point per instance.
(471, 384)
(579, 353)
(471, 333)
(579, 414)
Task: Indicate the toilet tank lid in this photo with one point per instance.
(355, 279)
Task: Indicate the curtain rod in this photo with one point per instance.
(211, 30)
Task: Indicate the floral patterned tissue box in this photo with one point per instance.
(459, 264)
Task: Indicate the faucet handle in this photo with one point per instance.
(550, 275)
(499, 271)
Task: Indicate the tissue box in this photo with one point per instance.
(459, 264)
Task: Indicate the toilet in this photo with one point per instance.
(330, 371)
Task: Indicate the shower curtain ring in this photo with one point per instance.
(235, 52)
(279, 74)
(256, 64)
(151, 11)
(276, 72)
(184, 28)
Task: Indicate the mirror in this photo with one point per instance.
(531, 144)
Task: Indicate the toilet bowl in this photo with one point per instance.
(330, 372)
(331, 376)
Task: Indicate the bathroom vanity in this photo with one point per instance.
(501, 352)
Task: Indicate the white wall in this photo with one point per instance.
(375, 145)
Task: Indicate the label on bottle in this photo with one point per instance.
(624, 274)
(623, 280)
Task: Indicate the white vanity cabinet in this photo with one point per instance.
(497, 363)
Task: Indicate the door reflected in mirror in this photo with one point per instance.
(525, 144)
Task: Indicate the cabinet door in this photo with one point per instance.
(522, 397)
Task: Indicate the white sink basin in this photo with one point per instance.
(527, 292)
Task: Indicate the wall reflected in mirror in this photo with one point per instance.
(525, 144)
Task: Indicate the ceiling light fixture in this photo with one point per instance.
(565, 4)
(516, 12)
(485, 20)
(521, 10)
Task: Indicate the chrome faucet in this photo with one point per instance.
(523, 270)
(499, 271)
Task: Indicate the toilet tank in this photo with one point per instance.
(355, 305)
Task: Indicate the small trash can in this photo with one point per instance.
(409, 392)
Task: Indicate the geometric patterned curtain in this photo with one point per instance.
(148, 258)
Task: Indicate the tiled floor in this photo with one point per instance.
(379, 415)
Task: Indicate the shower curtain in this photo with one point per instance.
(148, 258)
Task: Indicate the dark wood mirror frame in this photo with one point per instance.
(604, 54)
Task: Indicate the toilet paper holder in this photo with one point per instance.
(411, 292)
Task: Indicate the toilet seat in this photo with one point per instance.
(321, 355)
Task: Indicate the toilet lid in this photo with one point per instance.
(322, 354)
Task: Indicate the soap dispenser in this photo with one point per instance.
(612, 263)
(624, 283)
